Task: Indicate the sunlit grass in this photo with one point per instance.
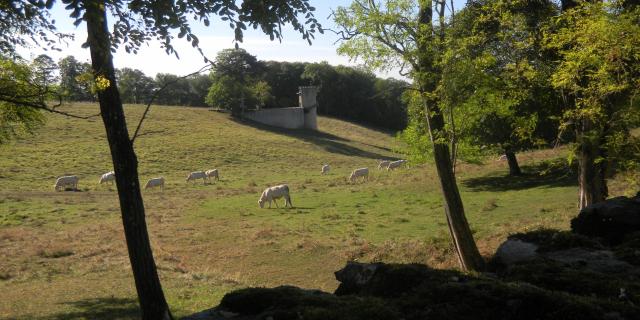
(64, 252)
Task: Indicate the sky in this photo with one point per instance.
(152, 59)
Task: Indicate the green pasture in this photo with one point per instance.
(63, 256)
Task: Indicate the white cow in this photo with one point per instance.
(155, 182)
(395, 164)
(383, 164)
(65, 181)
(213, 173)
(108, 177)
(197, 175)
(273, 193)
(325, 169)
(361, 172)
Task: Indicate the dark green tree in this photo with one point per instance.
(76, 80)
(45, 71)
(235, 72)
(283, 78)
(134, 85)
(198, 88)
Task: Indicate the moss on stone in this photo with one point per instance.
(553, 240)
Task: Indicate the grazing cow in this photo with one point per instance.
(197, 175)
(325, 169)
(383, 164)
(395, 164)
(273, 193)
(361, 172)
(108, 177)
(212, 174)
(65, 181)
(155, 182)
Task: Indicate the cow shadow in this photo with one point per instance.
(328, 142)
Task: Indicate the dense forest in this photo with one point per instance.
(236, 78)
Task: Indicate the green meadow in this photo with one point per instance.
(63, 255)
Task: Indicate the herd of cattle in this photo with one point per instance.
(268, 195)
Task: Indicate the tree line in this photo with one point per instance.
(355, 94)
(238, 80)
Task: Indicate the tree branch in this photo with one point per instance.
(155, 94)
(43, 106)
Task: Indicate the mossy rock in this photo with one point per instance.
(287, 302)
(553, 276)
(390, 280)
(433, 294)
(629, 249)
(555, 240)
(612, 219)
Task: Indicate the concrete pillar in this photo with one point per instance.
(307, 99)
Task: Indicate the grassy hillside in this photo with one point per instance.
(62, 254)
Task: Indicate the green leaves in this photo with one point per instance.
(17, 88)
(599, 66)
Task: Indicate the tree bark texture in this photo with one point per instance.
(466, 249)
(514, 168)
(592, 168)
(152, 301)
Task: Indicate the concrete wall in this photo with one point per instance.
(290, 118)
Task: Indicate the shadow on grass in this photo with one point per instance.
(99, 309)
(538, 175)
(329, 142)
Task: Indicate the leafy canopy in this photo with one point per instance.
(17, 88)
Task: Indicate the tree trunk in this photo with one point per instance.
(592, 168)
(514, 168)
(152, 301)
(468, 254)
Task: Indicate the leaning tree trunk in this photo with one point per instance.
(468, 254)
(152, 301)
(592, 168)
(514, 168)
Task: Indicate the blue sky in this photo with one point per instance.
(152, 59)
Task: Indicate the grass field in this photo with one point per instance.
(63, 256)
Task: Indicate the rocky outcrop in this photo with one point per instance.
(610, 220)
(514, 251)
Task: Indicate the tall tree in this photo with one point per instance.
(496, 76)
(234, 75)
(45, 70)
(134, 85)
(76, 80)
(175, 92)
(135, 23)
(402, 33)
(598, 75)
